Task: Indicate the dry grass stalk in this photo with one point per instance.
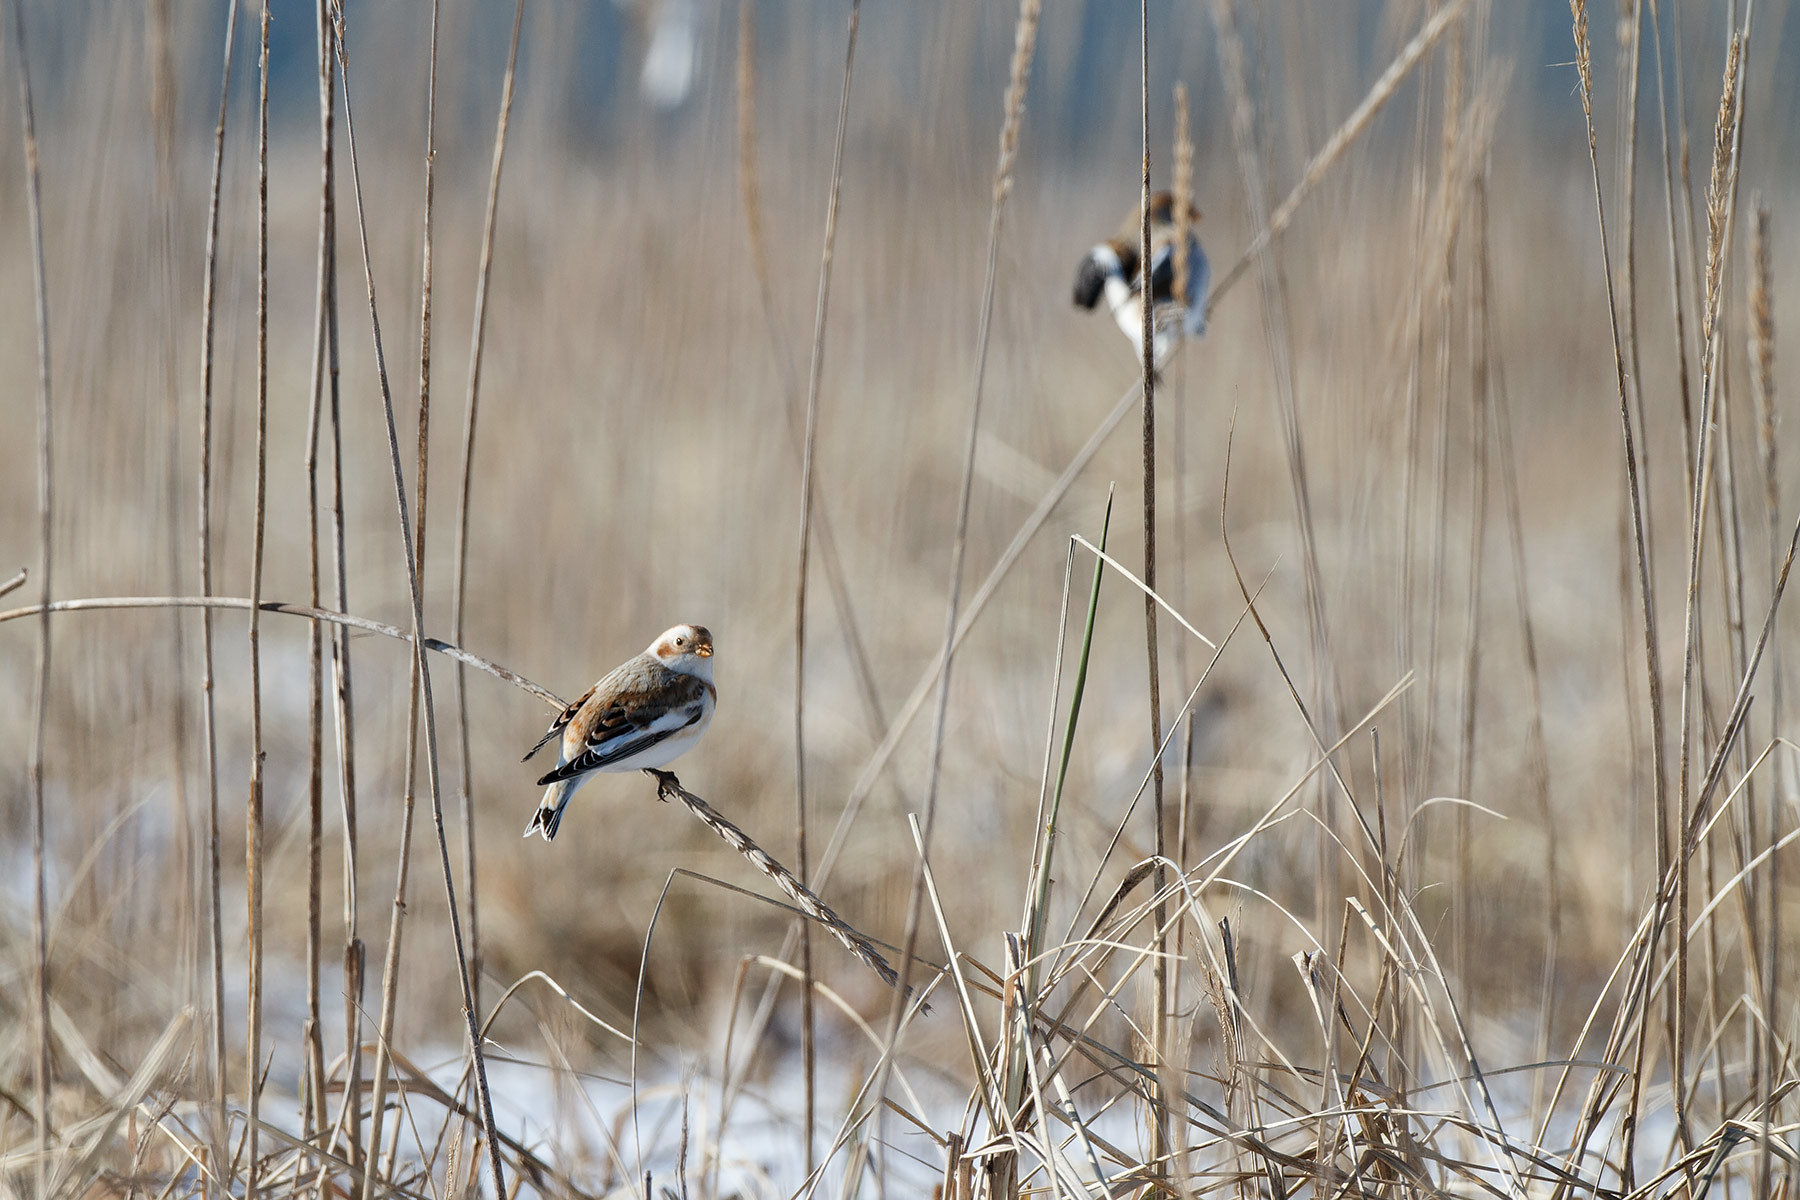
(1182, 189)
(1720, 188)
(477, 343)
(668, 787)
(343, 708)
(1584, 60)
(809, 447)
(253, 808)
(1593, 1106)
(46, 497)
(1630, 47)
(420, 666)
(315, 1115)
(1018, 78)
(1762, 359)
(209, 724)
(1762, 380)
(1183, 186)
(339, 619)
(1159, 977)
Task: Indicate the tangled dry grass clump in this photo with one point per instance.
(1457, 860)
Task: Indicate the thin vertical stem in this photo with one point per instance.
(477, 342)
(809, 445)
(40, 698)
(422, 668)
(1147, 352)
(815, 376)
(1762, 375)
(315, 1113)
(253, 809)
(1718, 219)
(208, 722)
(343, 691)
(1183, 191)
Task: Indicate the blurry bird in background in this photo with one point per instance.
(1110, 270)
(671, 53)
(645, 713)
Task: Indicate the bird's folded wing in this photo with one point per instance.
(628, 742)
(637, 696)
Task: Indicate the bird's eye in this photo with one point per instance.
(679, 642)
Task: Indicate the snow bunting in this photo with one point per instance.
(1111, 270)
(644, 713)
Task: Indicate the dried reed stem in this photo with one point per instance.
(1182, 187)
(1762, 375)
(343, 693)
(1159, 970)
(341, 620)
(668, 787)
(809, 444)
(420, 665)
(1183, 195)
(1677, 293)
(253, 808)
(1646, 595)
(414, 538)
(1717, 212)
(459, 588)
(46, 496)
(316, 1117)
(208, 722)
(1631, 41)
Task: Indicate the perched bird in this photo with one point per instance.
(1111, 270)
(644, 713)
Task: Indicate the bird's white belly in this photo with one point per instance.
(1124, 305)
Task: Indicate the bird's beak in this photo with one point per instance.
(703, 651)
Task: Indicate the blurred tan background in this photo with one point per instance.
(635, 466)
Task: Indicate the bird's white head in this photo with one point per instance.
(687, 649)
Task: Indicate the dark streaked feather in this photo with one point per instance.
(1090, 278)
